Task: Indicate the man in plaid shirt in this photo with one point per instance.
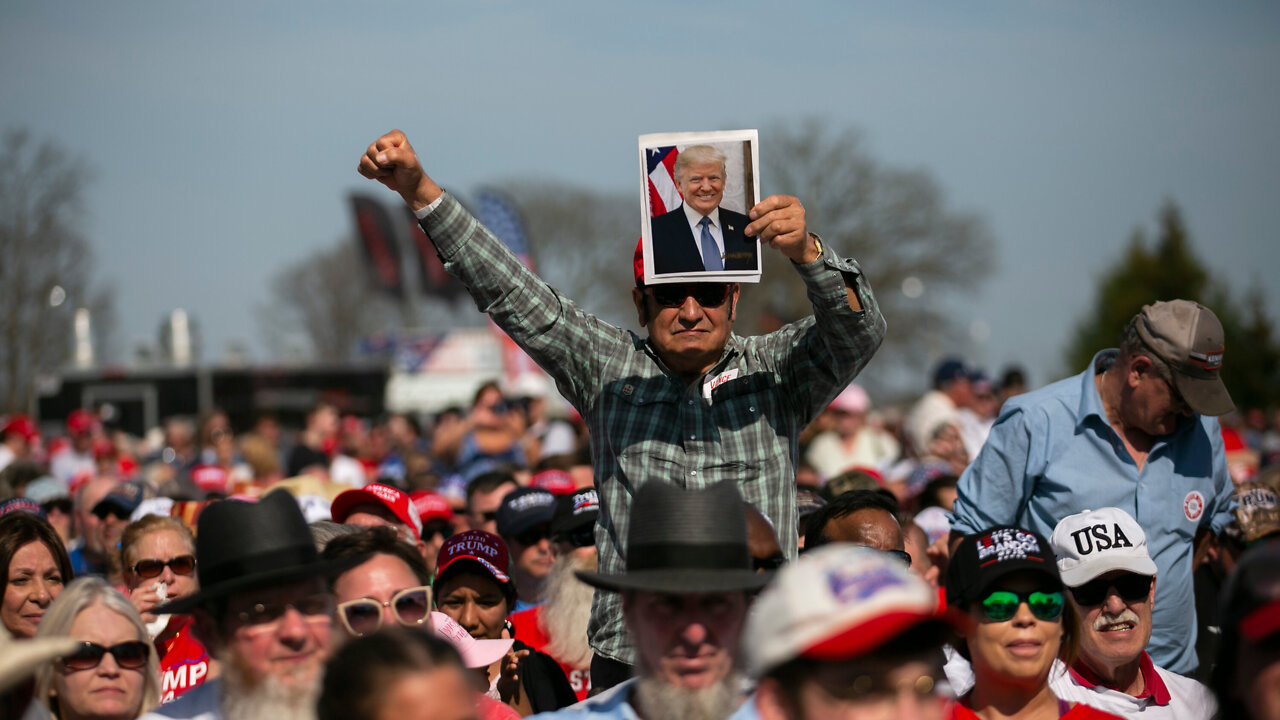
(692, 404)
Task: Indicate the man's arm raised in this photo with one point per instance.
(391, 161)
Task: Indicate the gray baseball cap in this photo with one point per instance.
(1189, 337)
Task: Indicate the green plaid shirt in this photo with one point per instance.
(646, 423)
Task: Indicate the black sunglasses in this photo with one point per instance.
(901, 556)
(533, 535)
(181, 565)
(1130, 586)
(577, 538)
(312, 606)
(706, 294)
(128, 655)
(443, 528)
(773, 562)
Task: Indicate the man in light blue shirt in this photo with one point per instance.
(1135, 431)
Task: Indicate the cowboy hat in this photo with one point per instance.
(242, 545)
(685, 541)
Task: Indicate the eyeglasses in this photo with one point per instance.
(128, 655)
(773, 562)
(1130, 586)
(533, 535)
(578, 538)
(443, 528)
(411, 607)
(1002, 605)
(149, 568)
(320, 604)
(706, 294)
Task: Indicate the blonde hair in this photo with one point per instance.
(145, 526)
(75, 599)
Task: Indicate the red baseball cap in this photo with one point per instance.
(81, 421)
(478, 546)
(430, 506)
(20, 424)
(389, 497)
(556, 482)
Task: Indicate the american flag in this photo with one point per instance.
(663, 195)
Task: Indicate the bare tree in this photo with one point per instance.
(45, 265)
(326, 298)
(915, 250)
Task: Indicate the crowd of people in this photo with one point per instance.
(723, 526)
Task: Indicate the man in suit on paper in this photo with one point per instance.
(700, 235)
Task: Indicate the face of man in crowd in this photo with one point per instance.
(532, 551)
(1116, 631)
(702, 186)
(686, 640)
(482, 512)
(289, 650)
(1151, 404)
(90, 524)
(870, 527)
(690, 337)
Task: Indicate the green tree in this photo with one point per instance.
(1168, 270)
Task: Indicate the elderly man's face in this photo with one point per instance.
(689, 337)
(279, 634)
(1151, 404)
(1115, 630)
(686, 640)
(702, 185)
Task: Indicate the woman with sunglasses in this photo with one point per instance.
(390, 588)
(114, 675)
(474, 588)
(1005, 580)
(159, 566)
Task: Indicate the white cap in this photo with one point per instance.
(836, 602)
(1094, 542)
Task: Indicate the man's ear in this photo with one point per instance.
(1139, 367)
(733, 301)
(642, 307)
(770, 702)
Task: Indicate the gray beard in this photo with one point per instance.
(246, 697)
(566, 612)
(658, 700)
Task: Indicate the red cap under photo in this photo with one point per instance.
(377, 494)
(477, 546)
(430, 506)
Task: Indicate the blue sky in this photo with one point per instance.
(224, 136)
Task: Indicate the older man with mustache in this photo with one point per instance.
(1104, 562)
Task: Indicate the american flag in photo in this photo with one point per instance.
(663, 195)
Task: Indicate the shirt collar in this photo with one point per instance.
(1090, 400)
(694, 217)
(1153, 687)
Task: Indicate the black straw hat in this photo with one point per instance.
(244, 545)
(685, 541)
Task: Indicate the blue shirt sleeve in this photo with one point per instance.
(994, 489)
